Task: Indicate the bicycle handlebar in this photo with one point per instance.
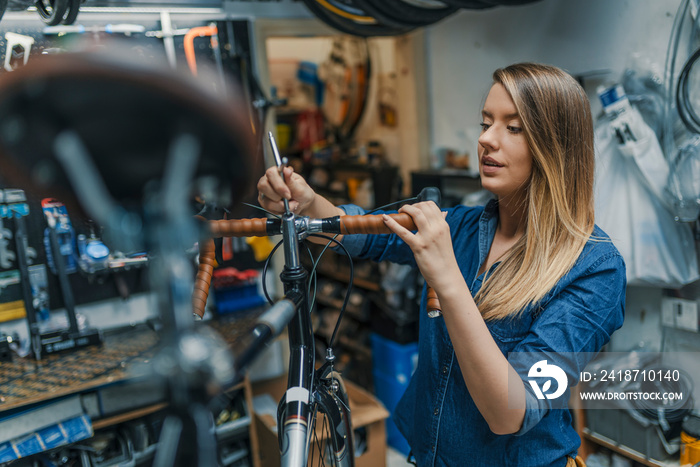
(345, 225)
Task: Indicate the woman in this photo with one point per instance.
(527, 284)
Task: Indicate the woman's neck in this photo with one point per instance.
(512, 218)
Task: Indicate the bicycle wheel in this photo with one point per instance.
(347, 18)
(72, 12)
(509, 2)
(330, 439)
(3, 7)
(470, 4)
(52, 12)
(402, 13)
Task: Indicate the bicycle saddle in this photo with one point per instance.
(127, 113)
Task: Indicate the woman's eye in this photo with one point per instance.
(515, 129)
(484, 126)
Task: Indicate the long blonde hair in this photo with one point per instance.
(557, 123)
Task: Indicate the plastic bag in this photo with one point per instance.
(631, 174)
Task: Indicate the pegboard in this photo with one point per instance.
(234, 48)
(28, 24)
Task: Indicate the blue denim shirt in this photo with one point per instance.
(437, 414)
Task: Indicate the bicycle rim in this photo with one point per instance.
(331, 442)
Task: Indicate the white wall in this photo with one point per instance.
(578, 36)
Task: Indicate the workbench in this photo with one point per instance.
(114, 380)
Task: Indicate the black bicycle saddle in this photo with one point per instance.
(127, 113)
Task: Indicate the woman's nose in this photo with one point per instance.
(487, 138)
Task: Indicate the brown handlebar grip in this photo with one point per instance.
(373, 224)
(207, 262)
(239, 228)
(433, 306)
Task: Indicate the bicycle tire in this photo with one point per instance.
(470, 4)
(52, 12)
(72, 12)
(399, 13)
(349, 26)
(509, 2)
(3, 7)
(332, 445)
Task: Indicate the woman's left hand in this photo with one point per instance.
(431, 244)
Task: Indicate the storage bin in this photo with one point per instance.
(236, 290)
(391, 358)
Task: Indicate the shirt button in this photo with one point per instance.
(436, 411)
(445, 370)
(432, 448)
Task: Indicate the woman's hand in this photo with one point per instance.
(303, 200)
(272, 190)
(431, 244)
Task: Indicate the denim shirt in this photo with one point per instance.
(437, 415)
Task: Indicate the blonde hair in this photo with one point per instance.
(557, 123)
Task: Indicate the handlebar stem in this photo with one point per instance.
(291, 245)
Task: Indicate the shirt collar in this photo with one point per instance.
(487, 228)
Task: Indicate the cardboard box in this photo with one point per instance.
(367, 416)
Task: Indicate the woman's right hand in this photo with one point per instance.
(272, 189)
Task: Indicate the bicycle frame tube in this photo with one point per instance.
(294, 427)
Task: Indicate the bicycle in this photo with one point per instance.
(89, 167)
(311, 392)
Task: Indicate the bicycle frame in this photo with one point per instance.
(305, 386)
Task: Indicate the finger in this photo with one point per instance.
(266, 192)
(403, 233)
(275, 180)
(417, 214)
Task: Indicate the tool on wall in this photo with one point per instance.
(58, 240)
(18, 46)
(167, 33)
(212, 32)
(17, 209)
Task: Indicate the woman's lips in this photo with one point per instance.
(489, 165)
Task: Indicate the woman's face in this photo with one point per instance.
(505, 162)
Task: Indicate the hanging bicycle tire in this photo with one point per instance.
(470, 4)
(345, 17)
(509, 2)
(52, 12)
(72, 12)
(402, 13)
(3, 7)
